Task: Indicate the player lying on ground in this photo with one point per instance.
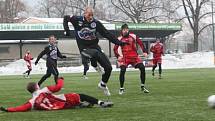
(44, 99)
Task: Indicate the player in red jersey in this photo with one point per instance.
(128, 55)
(44, 99)
(158, 50)
(28, 58)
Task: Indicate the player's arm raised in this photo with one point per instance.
(58, 86)
(105, 33)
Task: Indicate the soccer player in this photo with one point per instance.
(44, 99)
(157, 50)
(28, 58)
(86, 28)
(52, 52)
(128, 55)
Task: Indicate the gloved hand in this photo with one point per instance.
(3, 109)
(64, 56)
(124, 43)
(36, 62)
(67, 33)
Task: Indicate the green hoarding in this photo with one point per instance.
(59, 26)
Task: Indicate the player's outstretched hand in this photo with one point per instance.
(124, 43)
(3, 109)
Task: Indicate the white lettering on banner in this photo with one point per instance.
(32, 27)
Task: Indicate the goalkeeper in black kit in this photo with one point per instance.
(86, 28)
(52, 52)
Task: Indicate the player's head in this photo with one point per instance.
(88, 14)
(32, 87)
(124, 30)
(52, 40)
(28, 51)
(158, 40)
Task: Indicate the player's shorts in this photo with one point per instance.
(72, 99)
(129, 60)
(157, 60)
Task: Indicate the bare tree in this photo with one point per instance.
(133, 9)
(10, 9)
(60, 7)
(46, 8)
(194, 15)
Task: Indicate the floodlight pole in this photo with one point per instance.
(213, 29)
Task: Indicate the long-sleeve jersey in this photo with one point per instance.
(86, 32)
(28, 59)
(44, 99)
(131, 49)
(52, 52)
(157, 50)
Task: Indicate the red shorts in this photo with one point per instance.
(129, 60)
(72, 99)
(157, 60)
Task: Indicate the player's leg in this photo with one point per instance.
(141, 67)
(85, 61)
(154, 67)
(122, 79)
(96, 66)
(28, 73)
(47, 75)
(105, 63)
(92, 101)
(160, 70)
(86, 68)
(55, 72)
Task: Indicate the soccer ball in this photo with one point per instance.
(211, 101)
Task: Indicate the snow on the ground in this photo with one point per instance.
(170, 61)
(189, 60)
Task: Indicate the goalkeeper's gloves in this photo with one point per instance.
(3, 109)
